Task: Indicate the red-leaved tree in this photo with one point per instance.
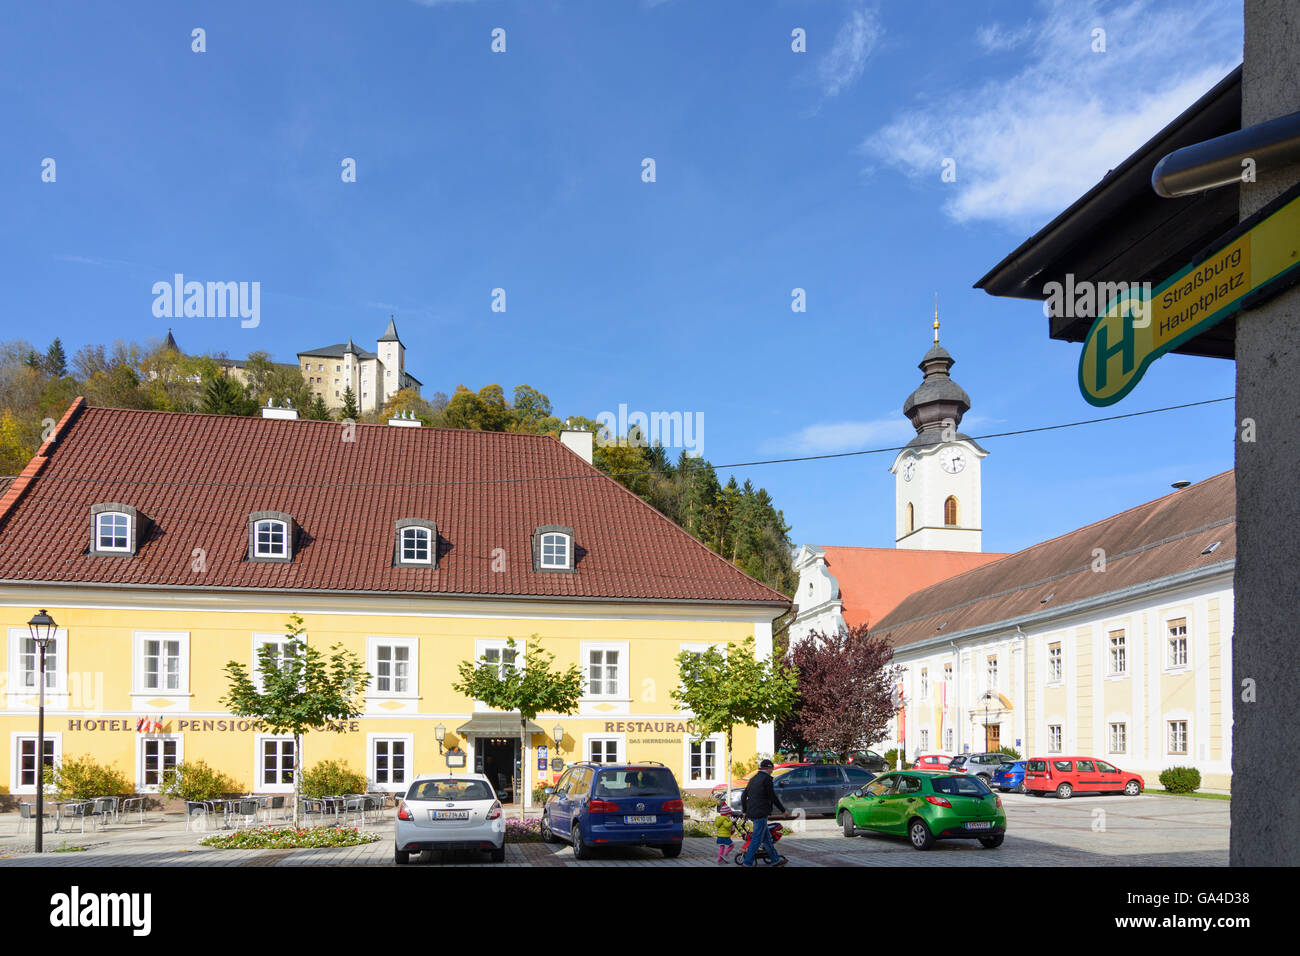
(846, 686)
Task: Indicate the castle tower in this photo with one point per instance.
(392, 361)
(937, 476)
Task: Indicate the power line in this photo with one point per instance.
(619, 474)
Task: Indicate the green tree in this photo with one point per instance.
(224, 396)
(726, 690)
(317, 410)
(349, 405)
(297, 690)
(530, 690)
(56, 360)
(485, 410)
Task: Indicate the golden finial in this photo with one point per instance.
(936, 318)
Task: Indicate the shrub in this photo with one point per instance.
(694, 828)
(892, 757)
(287, 838)
(700, 804)
(1011, 752)
(331, 778)
(742, 767)
(1181, 779)
(197, 781)
(81, 778)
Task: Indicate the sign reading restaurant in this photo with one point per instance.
(1252, 262)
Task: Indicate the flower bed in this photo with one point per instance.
(288, 838)
(524, 831)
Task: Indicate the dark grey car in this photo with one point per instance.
(815, 789)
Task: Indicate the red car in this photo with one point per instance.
(932, 762)
(1066, 776)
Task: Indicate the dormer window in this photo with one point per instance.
(553, 548)
(270, 536)
(417, 543)
(115, 529)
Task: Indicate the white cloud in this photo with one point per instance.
(996, 39)
(847, 57)
(1028, 145)
(831, 437)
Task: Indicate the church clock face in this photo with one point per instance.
(909, 469)
(952, 461)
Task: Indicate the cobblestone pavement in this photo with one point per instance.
(1084, 831)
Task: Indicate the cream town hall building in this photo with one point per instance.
(1112, 641)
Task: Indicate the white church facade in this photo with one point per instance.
(1112, 641)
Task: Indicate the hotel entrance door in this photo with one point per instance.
(992, 737)
(498, 759)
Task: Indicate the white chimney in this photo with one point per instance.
(405, 420)
(271, 411)
(578, 441)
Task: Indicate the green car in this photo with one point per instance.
(926, 806)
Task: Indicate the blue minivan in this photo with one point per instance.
(614, 804)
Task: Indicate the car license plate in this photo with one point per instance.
(982, 825)
(448, 814)
(640, 819)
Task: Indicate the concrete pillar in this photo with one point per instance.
(1265, 646)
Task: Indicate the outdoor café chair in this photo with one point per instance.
(196, 811)
(26, 814)
(76, 811)
(132, 805)
(104, 809)
(248, 809)
(276, 803)
(355, 805)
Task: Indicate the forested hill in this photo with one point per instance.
(739, 522)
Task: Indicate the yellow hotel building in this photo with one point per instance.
(165, 545)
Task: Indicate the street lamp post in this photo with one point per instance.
(42, 628)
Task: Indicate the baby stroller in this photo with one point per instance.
(746, 829)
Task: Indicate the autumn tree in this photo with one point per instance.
(846, 686)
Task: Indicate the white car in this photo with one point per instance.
(449, 813)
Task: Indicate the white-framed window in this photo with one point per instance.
(495, 651)
(1054, 663)
(1118, 652)
(390, 760)
(23, 772)
(1054, 738)
(270, 538)
(274, 770)
(1118, 738)
(555, 550)
(993, 671)
(605, 667)
(155, 755)
(283, 651)
(925, 683)
(696, 648)
(925, 740)
(605, 748)
(948, 739)
(416, 546)
(703, 763)
(1176, 643)
(112, 531)
(25, 662)
(393, 663)
(162, 662)
(1176, 736)
(947, 673)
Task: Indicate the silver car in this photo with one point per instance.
(983, 765)
(449, 813)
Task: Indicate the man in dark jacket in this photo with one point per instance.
(756, 803)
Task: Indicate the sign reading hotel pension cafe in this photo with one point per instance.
(1252, 262)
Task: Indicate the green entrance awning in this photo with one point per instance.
(495, 725)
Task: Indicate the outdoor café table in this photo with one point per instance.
(219, 803)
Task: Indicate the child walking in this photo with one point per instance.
(723, 829)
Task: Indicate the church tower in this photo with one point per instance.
(937, 476)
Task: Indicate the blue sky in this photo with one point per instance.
(522, 170)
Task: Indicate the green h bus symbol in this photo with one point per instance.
(1125, 346)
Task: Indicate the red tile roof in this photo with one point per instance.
(874, 580)
(197, 478)
(1147, 543)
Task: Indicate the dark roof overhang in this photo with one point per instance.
(1122, 231)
